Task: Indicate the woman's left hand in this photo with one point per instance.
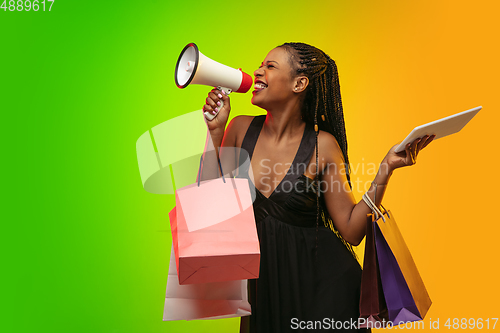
(409, 155)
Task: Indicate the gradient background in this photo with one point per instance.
(85, 249)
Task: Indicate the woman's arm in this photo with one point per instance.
(220, 136)
(216, 132)
(348, 216)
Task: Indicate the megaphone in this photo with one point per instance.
(194, 68)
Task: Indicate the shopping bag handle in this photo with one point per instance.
(238, 199)
(375, 209)
(386, 211)
(199, 170)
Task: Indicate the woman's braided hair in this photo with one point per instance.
(322, 100)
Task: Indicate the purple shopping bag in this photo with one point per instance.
(398, 298)
(397, 245)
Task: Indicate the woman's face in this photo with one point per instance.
(274, 83)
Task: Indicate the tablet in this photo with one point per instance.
(442, 127)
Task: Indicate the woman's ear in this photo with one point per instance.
(301, 83)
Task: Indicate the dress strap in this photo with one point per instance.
(306, 150)
(252, 134)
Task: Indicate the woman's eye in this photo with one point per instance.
(270, 66)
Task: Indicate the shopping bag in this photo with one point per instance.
(372, 307)
(204, 301)
(214, 232)
(404, 291)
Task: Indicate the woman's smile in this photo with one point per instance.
(258, 86)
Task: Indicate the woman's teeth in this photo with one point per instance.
(259, 86)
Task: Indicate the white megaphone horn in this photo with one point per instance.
(194, 68)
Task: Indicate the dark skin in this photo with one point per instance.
(281, 94)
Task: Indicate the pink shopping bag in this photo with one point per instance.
(214, 233)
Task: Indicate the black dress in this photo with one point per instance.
(308, 280)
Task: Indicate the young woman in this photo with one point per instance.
(309, 278)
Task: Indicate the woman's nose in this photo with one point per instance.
(258, 72)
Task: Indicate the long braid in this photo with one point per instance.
(322, 98)
(316, 178)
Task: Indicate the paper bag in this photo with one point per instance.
(372, 307)
(405, 293)
(214, 233)
(204, 301)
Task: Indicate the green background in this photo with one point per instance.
(85, 249)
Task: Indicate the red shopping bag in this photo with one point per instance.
(214, 233)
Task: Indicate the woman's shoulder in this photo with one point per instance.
(327, 140)
(329, 147)
(241, 121)
(238, 127)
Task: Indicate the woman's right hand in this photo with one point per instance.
(215, 96)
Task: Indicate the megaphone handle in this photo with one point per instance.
(210, 116)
